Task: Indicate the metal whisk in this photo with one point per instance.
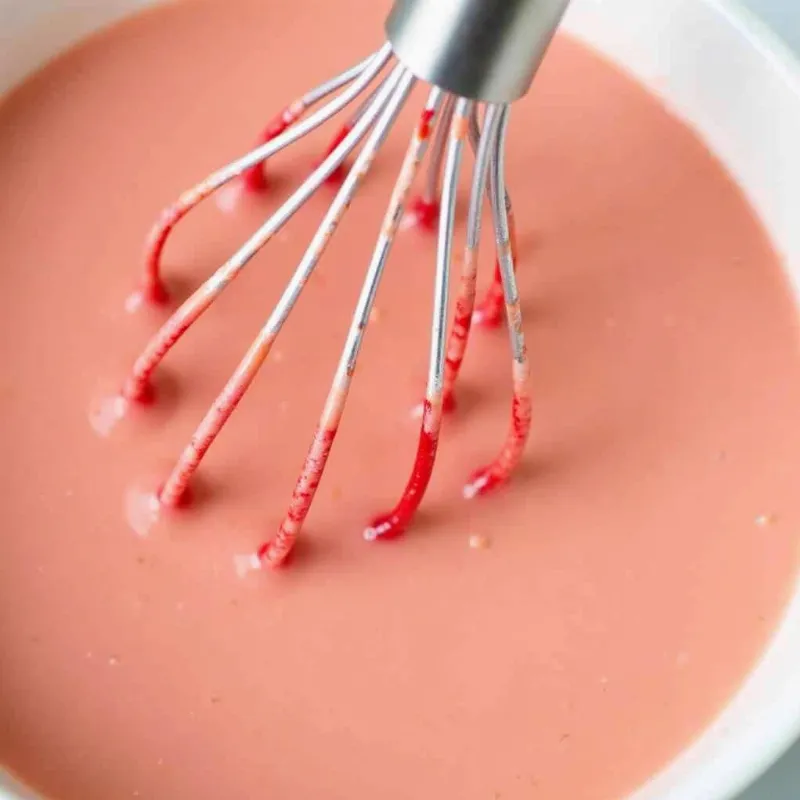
(479, 56)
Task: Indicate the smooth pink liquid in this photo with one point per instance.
(637, 564)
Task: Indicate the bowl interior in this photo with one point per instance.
(719, 69)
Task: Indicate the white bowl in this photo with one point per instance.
(718, 68)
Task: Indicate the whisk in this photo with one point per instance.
(479, 56)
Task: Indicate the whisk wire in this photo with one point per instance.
(449, 120)
(483, 145)
(489, 309)
(392, 524)
(498, 471)
(360, 77)
(399, 84)
(138, 385)
(436, 158)
(275, 551)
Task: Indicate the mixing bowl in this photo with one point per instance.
(722, 71)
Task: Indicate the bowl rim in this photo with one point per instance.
(752, 762)
(762, 37)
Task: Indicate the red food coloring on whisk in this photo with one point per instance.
(254, 178)
(488, 478)
(338, 175)
(460, 330)
(153, 292)
(449, 404)
(489, 310)
(145, 509)
(423, 213)
(175, 490)
(275, 552)
(422, 210)
(181, 499)
(424, 124)
(138, 391)
(274, 556)
(152, 289)
(393, 524)
(138, 387)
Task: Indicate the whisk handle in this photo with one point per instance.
(486, 50)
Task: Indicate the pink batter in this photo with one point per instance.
(635, 568)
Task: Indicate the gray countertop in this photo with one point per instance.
(782, 782)
(782, 15)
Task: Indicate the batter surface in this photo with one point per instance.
(636, 566)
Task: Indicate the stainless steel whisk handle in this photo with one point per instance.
(486, 50)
